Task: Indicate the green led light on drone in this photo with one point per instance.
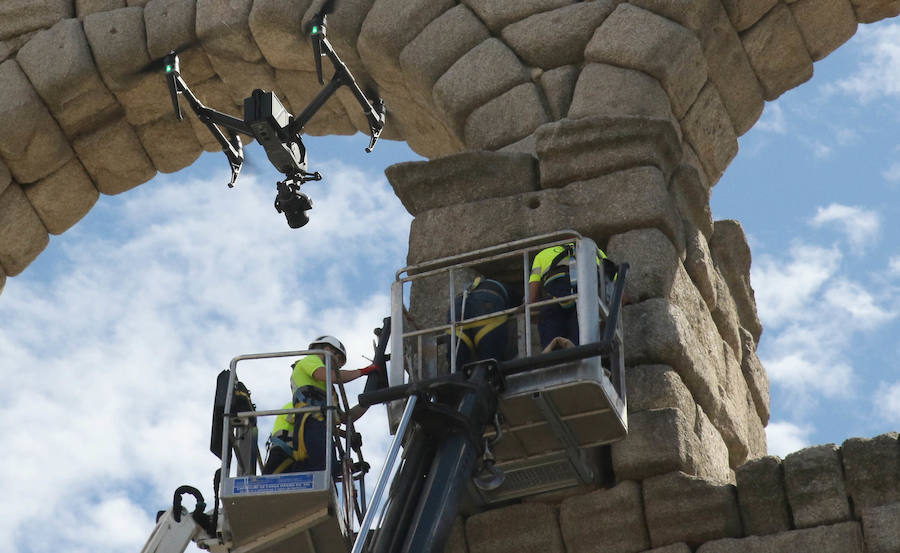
(315, 30)
(169, 68)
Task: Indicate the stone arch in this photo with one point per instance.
(472, 75)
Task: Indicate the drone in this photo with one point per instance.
(276, 130)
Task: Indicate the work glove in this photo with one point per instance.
(370, 369)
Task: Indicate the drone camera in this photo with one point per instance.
(293, 203)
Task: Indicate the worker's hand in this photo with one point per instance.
(370, 369)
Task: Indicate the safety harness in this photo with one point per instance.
(298, 452)
(484, 326)
(558, 270)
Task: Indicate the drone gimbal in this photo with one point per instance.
(276, 130)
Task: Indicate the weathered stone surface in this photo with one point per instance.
(462, 178)
(276, 26)
(745, 13)
(456, 94)
(762, 497)
(170, 144)
(683, 508)
(691, 196)
(422, 128)
(824, 24)
(707, 127)
(881, 526)
(63, 198)
(537, 39)
(839, 538)
(2, 279)
(872, 471)
(682, 335)
(438, 46)
(731, 254)
(609, 205)
(21, 16)
(22, 235)
(815, 486)
(870, 11)
(755, 375)
(659, 441)
(525, 528)
(712, 455)
(726, 316)
(223, 26)
(673, 548)
(654, 262)
(777, 52)
(658, 387)
(299, 89)
(114, 158)
(740, 402)
(617, 521)
(61, 68)
(389, 26)
(559, 86)
(87, 7)
(142, 101)
(497, 14)
(171, 25)
(507, 118)
(699, 265)
(32, 144)
(730, 70)
(5, 177)
(636, 38)
(571, 150)
(604, 89)
(118, 41)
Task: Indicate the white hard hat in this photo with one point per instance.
(329, 341)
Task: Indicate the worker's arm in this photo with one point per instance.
(534, 291)
(345, 376)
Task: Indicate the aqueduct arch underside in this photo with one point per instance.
(609, 117)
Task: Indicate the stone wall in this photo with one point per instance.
(822, 499)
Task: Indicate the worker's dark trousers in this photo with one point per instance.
(493, 344)
(558, 321)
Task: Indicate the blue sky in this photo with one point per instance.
(112, 339)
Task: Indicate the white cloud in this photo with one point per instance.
(850, 298)
(785, 287)
(886, 402)
(892, 173)
(772, 120)
(861, 226)
(879, 73)
(894, 265)
(820, 150)
(785, 437)
(113, 360)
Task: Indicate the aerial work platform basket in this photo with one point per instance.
(302, 512)
(552, 418)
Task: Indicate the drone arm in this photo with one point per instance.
(231, 145)
(342, 76)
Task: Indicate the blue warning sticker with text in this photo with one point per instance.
(274, 483)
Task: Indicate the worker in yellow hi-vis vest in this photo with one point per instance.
(550, 278)
(297, 443)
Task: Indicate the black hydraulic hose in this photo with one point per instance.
(176, 501)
